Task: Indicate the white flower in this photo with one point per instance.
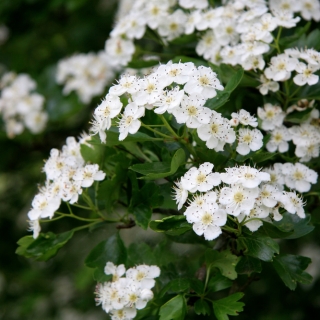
(249, 140)
(208, 220)
(267, 84)
(281, 67)
(306, 74)
(129, 122)
(192, 112)
(276, 175)
(278, 140)
(34, 226)
(169, 100)
(109, 108)
(119, 51)
(269, 195)
(257, 212)
(88, 175)
(246, 176)
(271, 116)
(299, 176)
(116, 271)
(217, 132)
(238, 199)
(203, 82)
(144, 274)
(201, 179)
(43, 206)
(293, 203)
(245, 118)
(126, 83)
(180, 195)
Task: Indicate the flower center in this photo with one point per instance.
(128, 121)
(204, 81)
(238, 197)
(278, 137)
(174, 72)
(201, 178)
(298, 175)
(269, 114)
(214, 128)
(247, 138)
(140, 275)
(173, 26)
(192, 110)
(150, 88)
(207, 219)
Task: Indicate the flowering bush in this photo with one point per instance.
(216, 150)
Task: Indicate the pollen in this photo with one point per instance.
(298, 175)
(214, 128)
(201, 178)
(238, 197)
(204, 81)
(207, 219)
(140, 275)
(128, 121)
(192, 111)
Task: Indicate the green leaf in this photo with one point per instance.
(262, 156)
(111, 249)
(142, 213)
(92, 154)
(270, 230)
(292, 223)
(228, 306)
(176, 286)
(100, 276)
(157, 170)
(290, 269)
(298, 116)
(248, 265)
(185, 39)
(140, 64)
(235, 80)
(173, 225)
(44, 247)
(197, 286)
(202, 307)
(24, 243)
(218, 101)
(219, 282)
(141, 253)
(174, 309)
(262, 248)
(225, 261)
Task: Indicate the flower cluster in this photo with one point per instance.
(20, 107)
(124, 295)
(248, 194)
(66, 175)
(238, 32)
(305, 136)
(86, 74)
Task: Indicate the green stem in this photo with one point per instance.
(207, 278)
(167, 125)
(75, 217)
(49, 220)
(82, 207)
(252, 219)
(276, 40)
(155, 131)
(85, 226)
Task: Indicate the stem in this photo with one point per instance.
(276, 40)
(155, 131)
(165, 122)
(76, 217)
(85, 226)
(207, 278)
(82, 207)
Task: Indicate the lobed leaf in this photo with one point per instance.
(228, 306)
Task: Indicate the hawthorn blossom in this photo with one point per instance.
(306, 74)
(249, 140)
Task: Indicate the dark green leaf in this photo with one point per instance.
(228, 306)
(139, 64)
(157, 170)
(270, 230)
(45, 246)
(225, 261)
(185, 39)
(23, 246)
(92, 154)
(173, 225)
(100, 276)
(290, 269)
(262, 156)
(197, 286)
(141, 253)
(112, 250)
(262, 248)
(176, 286)
(218, 101)
(298, 116)
(248, 265)
(291, 222)
(234, 81)
(219, 282)
(174, 309)
(142, 213)
(188, 236)
(202, 307)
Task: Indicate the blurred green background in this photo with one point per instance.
(42, 33)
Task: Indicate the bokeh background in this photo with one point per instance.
(40, 33)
